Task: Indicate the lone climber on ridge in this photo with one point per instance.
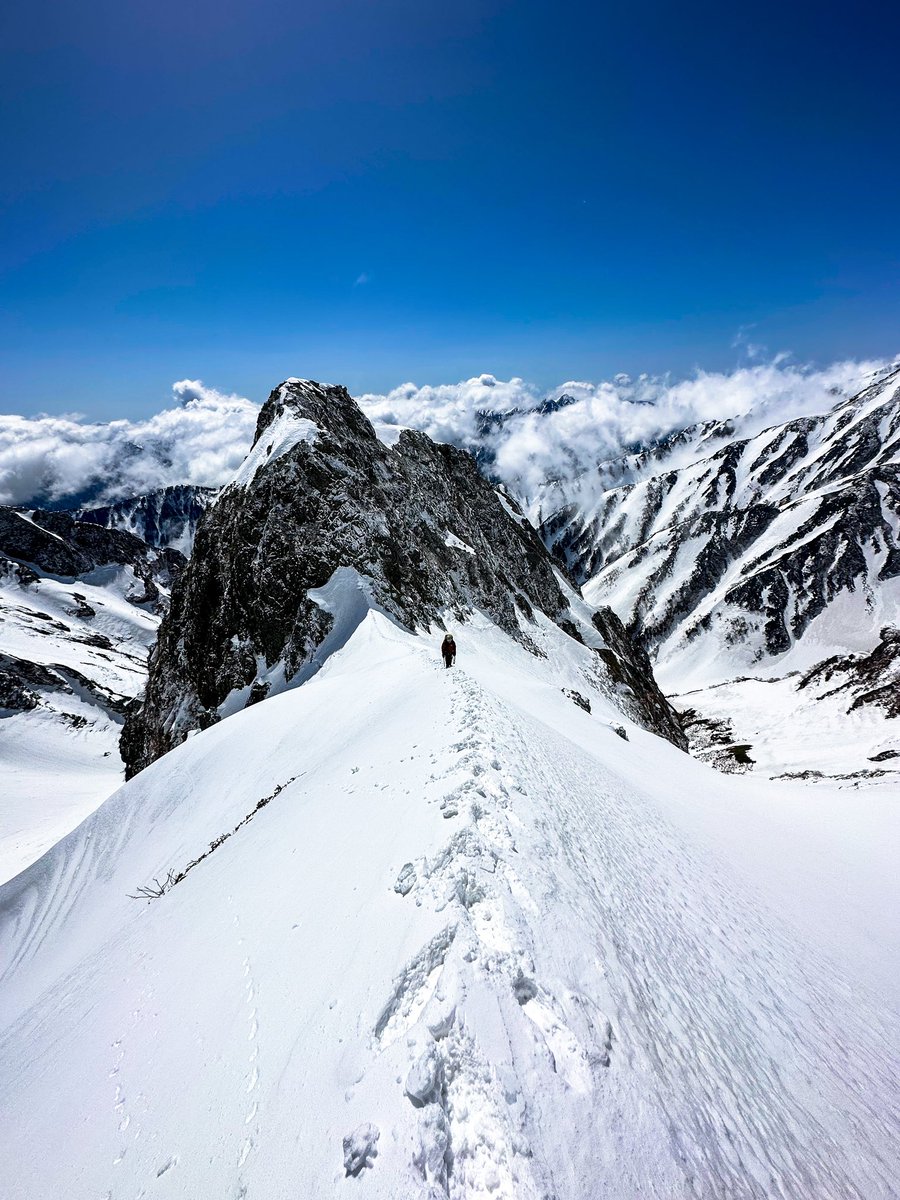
(448, 649)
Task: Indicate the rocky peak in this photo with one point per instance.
(328, 406)
(414, 530)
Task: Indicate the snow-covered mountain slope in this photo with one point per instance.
(167, 517)
(731, 556)
(79, 609)
(420, 531)
(748, 542)
(836, 721)
(470, 943)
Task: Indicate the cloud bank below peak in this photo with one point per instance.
(537, 442)
(204, 435)
(59, 460)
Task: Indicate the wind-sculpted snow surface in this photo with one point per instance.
(424, 535)
(480, 946)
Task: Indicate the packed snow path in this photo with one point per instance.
(481, 946)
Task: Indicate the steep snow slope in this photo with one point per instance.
(737, 558)
(476, 945)
(77, 617)
(67, 678)
(728, 558)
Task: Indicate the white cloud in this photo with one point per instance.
(205, 435)
(361, 279)
(608, 418)
(53, 459)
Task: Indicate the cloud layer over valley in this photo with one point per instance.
(204, 435)
(52, 461)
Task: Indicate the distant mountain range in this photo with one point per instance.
(774, 556)
(361, 925)
(167, 517)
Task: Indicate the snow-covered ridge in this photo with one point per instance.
(746, 546)
(280, 433)
(759, 557)
(474, 944)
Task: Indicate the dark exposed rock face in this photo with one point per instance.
(745, 539)
(44, 554)
(23, 685)
(55, 543)
(20, 683)
(864, 679)
(167, 517)
(318, 492)
(629, 665)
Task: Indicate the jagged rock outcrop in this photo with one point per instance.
(862, 679)
(415, 525)
(25, 685)
(629, 664)
(734, 546)
(167, 517)
(79, 609)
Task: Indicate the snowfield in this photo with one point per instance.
(61, 759)
(478, 944)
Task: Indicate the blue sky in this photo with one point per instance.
(370, 193)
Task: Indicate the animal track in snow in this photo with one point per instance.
(250, 1133)
(121, 1109)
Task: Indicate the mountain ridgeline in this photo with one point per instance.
(38, 542)
(323, 521)
(727, 547)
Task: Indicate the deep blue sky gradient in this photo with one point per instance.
(370, 193)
